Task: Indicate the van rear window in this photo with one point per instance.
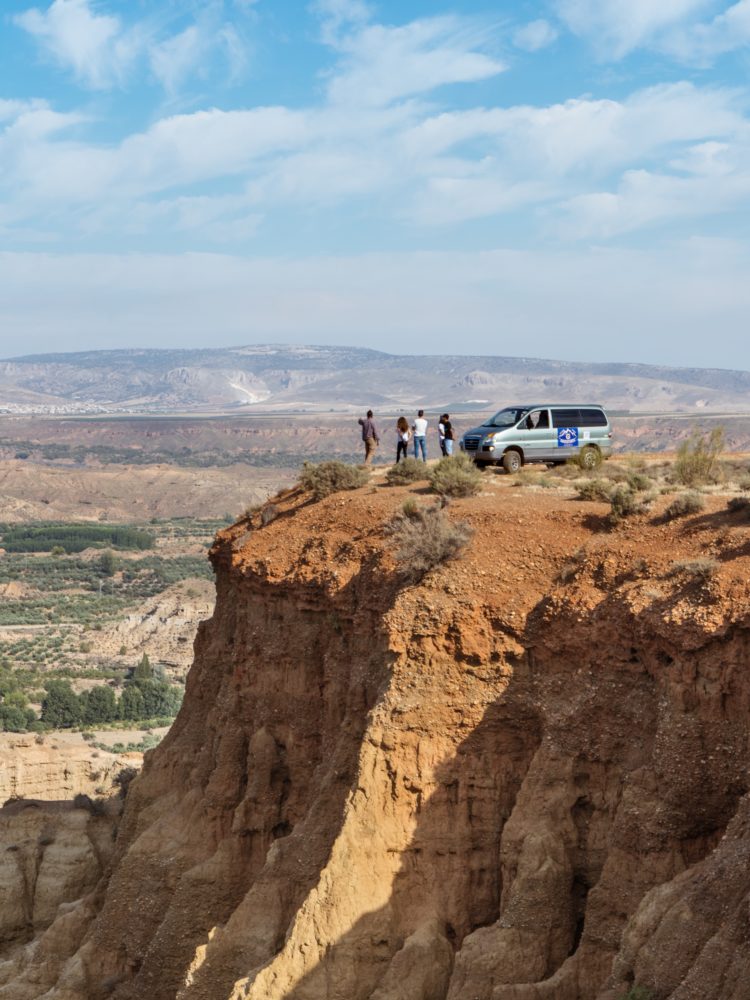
(584, 417)
(593, 418)
(566, 418)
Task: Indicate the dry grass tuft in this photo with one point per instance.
(408, 470)
(324, 478)
(455, 476)
(426, 538)
(686, 503)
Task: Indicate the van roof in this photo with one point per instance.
(551, 406)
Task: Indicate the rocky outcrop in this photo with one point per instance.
(55, 768)
(525, 778)
(53, 856)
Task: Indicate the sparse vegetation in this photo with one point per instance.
(637, 993)
(594, 489)
(700, 569)
(409, 470)
(268, 514)
(739, 505)
(426, 539)
(455, 476)
(323, 478)
(697, 462)
(624, 503)
(686, 503)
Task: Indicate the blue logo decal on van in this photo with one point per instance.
(567, 437)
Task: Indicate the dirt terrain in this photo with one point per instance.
(523, 778)
(34, 492)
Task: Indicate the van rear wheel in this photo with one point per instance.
(590, 458)
(512, 462)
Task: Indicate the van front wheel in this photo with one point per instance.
(512, 462)
(590, 458)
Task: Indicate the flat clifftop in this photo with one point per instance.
(523, 778)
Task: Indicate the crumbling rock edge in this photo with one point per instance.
(493, 786)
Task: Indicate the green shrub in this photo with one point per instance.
(637, 993)
(409, 470)
(455, 476)
(686, 503)
(697, 461)
(426, 539)
(324, 478)
(594, 489)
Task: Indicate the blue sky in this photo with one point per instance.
(568, 178)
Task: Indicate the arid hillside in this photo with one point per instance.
(522, 776)
(285, 378)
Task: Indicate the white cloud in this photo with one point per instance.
(381, 64)
(337, 15)
(93, 46)
(619, 26)
(703, 42)
(102, 52)
(535, 35)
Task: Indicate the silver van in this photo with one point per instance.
(541, 432)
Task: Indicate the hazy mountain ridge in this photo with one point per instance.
(283, 377)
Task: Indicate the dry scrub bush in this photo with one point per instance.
(701, 569)
(624, 502)
(324, 478)
(744, 483)
(455, 476)
(426, 538)
(686, 503)
(594, 489)
(739, 505)
(409, 470)
(697, 461)
(268, 514)
(639, 482)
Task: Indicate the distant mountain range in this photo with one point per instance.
(268, 378)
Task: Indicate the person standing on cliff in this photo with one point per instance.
(420, 435)
(369, 436)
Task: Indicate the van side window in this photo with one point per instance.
(566, 418)
(536, 420)
(591, 417)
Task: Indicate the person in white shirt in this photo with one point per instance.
(402, 437)
(420, 435)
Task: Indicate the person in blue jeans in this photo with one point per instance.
(420, 435)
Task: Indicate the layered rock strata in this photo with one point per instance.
(525, 778)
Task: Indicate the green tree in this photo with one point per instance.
(98, 705)
(108, 563)
(143, 671)
(61, 707)
(13, 719)
(131, 703)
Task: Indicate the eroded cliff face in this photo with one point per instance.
(506, 783)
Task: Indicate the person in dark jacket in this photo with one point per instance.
(369, 436)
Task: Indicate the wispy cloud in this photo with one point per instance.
(381, 63)
(102, 52)
(691, 31)
(535, 35)
(94, 46)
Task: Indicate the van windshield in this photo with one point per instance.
(508, 417)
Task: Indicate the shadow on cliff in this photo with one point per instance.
(449, 881)
(275, 751)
